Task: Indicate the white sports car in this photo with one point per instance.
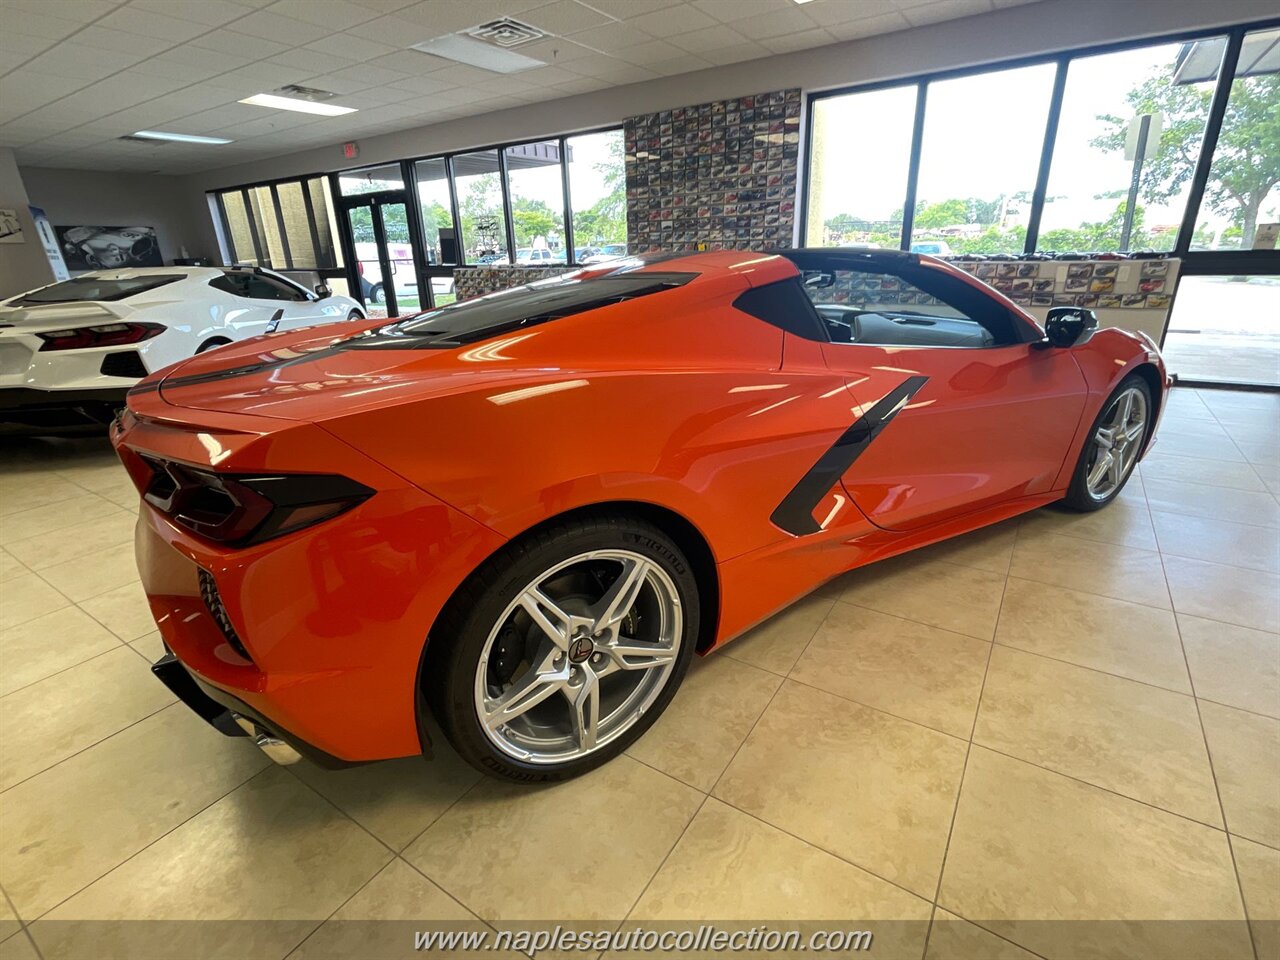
(69, 352)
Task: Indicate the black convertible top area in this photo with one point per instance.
(470, 320)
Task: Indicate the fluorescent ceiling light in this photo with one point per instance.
(301, 106)
(476, 53)
(179, 137)
(802, 1)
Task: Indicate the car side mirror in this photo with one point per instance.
(1066, 325)
(323, 291)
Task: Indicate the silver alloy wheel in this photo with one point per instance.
(591, 661)
(1116, 444)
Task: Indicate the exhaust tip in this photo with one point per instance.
(275, 748)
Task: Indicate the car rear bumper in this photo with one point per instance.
(316, 637)
(28, 410)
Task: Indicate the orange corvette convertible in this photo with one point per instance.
(524, 513)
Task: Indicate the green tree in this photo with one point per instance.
(948, 213)
(532, 219)
(1246, 163)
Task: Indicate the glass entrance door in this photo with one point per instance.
(387, 268)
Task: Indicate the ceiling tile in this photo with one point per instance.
(610, 37)
(776, 24)
(152, 23)
(80, 11)
(73, 59)
(37, 25)
(644, 54)
(264, 23)
(673, 20)
(564, 16)
(336, 15)
(347, 47)
(424, 85)
(622, 9)
(709, 38)
(805, 40)
(736, 53)
(686, 63)
(305, 58)
(138, 46)
(555, 50)
(243, 45)
(17, 47)
(945, 10)
(868, 26)
(392, 32)
(366, 74)
(732, 11)
(827, 13)
(211, 13)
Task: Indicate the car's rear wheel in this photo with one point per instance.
(1115, 443)
(212, 343)
(564, 648)
(355, 315)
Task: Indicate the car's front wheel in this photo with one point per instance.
(564, 648)
(1115, 443)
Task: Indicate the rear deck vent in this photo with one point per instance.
(506, 32)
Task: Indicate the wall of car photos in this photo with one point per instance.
(721, 174)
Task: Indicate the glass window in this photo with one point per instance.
(370, 180)
(479, 186)
(297, 227)
(598, 194)
(263, 208)
(96, 289)
(537, 201)
(1243, 189)
(1087, 205)
(437, 212)
(242, 247)
(256, 287)
(858, 172)
(973, 197)
(1223, 329)
(322, 211)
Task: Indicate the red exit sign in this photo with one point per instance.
(351, 150)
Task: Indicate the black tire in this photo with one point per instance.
(1078, 496)
(375, 295)
(355, 315)
(460, 637)
(213, 342)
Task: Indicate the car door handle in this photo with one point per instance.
(275, 320)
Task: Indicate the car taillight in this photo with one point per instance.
(241, 509)
(102, 335)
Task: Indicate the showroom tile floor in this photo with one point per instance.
(1058, 720)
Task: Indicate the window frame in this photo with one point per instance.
(1249, 262)
(241, 194)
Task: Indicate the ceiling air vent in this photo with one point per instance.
(304, 93)
(506, 33)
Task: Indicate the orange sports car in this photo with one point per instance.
(524, 513)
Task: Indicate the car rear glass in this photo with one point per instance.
(481, 317)
(96, 288)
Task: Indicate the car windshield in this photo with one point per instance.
(95, 288)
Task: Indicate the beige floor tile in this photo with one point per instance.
(1129, 639)
(50, 549)
(65, 713)
(1219, 541)
(398, 799)
(1265, 454)
(9, 923)
(1125, 573)
(71, 824)
(987, 549)
(1250, 598)
(1031, 847)
(41, 647)
(18, 947)
(271, 852)
(1217, 446)
(697, 735)
(918, 672)
(776, 644)
(948, 595)
(954, 938)
(1190, 427)
(30, 495)
(774, 876)
(1241, 404)
(150, 646)
(97, 475)
(1137, 740)
(1125, 521)
(1259, 869)
(868, 787)
(37, 521)
(1246, 760)
(1215, 503)
(91, 576)
(1233, 665)
(380, 921)
(10, 566)
(27, 597)
(1185, 403)
(493, 852)
(1214, 473)
(124, 611)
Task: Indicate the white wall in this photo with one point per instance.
(22, 265)
(83, 197)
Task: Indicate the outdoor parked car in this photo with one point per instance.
(524, 513)
(610, 251)
(71, 350)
